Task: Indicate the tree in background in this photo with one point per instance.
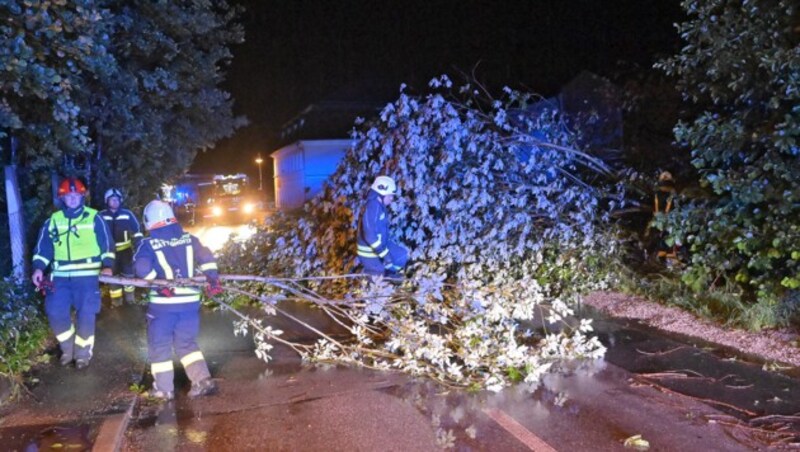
(741, 67)
(122, 93)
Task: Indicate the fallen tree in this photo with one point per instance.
(506, 219)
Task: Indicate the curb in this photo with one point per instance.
(112, 431)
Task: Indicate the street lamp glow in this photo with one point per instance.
(259, 161)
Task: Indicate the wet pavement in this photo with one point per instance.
(66, 406)
(677, 394)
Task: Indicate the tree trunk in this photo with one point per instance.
(16, 225)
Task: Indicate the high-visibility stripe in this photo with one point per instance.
(44, 260)
(367, 254)
(138, 234)
(71, 273)
(376, 243)
(108, 255)
(383, 253)
(208, 266)
(364, 248)
(151, 275)
(190, 260)
(108, 217)
(66, 334)
(161, 367)
(192, 358)
(81, 342)
(75, 265)
(162, 260)
(121, 246)
(123, 217)
(129, 289)
(115, 293)
(174, 300)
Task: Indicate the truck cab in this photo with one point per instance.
(231, 200)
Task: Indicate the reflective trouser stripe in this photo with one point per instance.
(129, 288)
(209, 266)
(192, 358)
(66, 334)
(122, 246)
(81, 342)
(163, 366)
(151, 275)
(115, 293)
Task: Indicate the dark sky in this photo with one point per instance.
(299, 51)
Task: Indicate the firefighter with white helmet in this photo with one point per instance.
(75, 245)
(127, 234)
(378, 254)
(173, 313)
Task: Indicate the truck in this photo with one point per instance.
(231, 200)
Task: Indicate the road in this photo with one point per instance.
(215, 237)
(677, 394)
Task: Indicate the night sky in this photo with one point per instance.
(298, 52)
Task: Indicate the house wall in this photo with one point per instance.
(302, 167)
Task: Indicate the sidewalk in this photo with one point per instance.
(67, 406)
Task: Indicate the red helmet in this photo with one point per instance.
(71, 185)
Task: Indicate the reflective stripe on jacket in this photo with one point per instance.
(373, 228)
(124, 227)
(171, 253)
(74, 246)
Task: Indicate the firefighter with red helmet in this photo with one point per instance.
(74, 246)
(127, 234)
(173, 314)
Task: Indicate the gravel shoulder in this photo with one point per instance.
(773, 345)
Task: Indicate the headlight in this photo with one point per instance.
(248, 208)
(216, 211)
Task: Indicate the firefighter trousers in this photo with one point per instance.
(178, 330)
(375, 266)
(81, 293)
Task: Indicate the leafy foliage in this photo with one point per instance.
(22, 329)
(124, 93)
(741, 66)
(502, 223)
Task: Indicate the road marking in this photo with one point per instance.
(524, 435)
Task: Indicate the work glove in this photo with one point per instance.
(166, 292)
(46, 287)
(107, 272)
(213, 288)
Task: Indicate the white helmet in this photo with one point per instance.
(112, 192)
(384, 185)
(158, 214)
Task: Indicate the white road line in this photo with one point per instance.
(524, 435)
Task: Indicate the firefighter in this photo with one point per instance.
(376, 252)
(127, 234)
(173, 314)
(74, 244)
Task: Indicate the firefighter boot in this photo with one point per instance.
(203, 388)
